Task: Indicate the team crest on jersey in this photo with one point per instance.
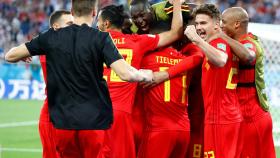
(150, 35)
(248, 45)
(221, 46)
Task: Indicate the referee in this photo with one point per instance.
(79, 102)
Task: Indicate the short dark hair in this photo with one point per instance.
(134, 2)
(208, 9)
(56, 15)
(145, 3)
(115, 14)
(83, 7)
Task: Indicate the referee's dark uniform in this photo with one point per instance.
(78, 97)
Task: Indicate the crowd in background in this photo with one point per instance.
(22, 19)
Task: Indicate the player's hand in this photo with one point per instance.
(159, 77)
(219, 34)
(147, 74)
(27, 59)
(190, 32)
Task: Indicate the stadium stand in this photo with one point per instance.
(20, 20)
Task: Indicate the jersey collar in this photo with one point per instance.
(249, 34)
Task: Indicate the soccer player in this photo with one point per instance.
(219, 81)
(192, 65)
(79, 101)
(195, 101)
(196, 115)
(257, 124)
(140, 11)
(146, 17)
(167, 129)
(138, 115)
(58, 19)
(133, 48)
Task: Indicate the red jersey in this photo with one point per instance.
(44, 115)
(246, 72)
(246, 91)
(166, 103)
(219, 88)
(132, 48)
(191, 49)
(44, 66)
(196, 107)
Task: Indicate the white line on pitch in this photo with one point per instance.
(18, 124)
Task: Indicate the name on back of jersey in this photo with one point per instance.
(166, 60)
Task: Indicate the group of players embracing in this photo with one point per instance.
(206, 97)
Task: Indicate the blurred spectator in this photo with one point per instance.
(277, 14)
(1, 54)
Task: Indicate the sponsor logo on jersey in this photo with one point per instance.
(222, 46)
(248, 45)
(152, 36)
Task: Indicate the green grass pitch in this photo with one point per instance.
(24, 141)
(12, 138)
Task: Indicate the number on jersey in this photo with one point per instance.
(124, 52)
(167, 87)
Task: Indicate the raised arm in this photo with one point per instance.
(176, 30)
(214, 55)
(245, 55)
